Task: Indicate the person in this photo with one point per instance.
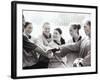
(57, 62)
(30, 59)
(43, 42)
(82, 47)
(87, 28)
(46, 37)
(74, 32)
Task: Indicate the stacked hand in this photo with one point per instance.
(51, 52)
(78, 62)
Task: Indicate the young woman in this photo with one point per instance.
(74, 32)
(57, 62)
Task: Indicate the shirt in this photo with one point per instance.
(81, 47)
(29, 55)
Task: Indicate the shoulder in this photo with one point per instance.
(24, 37)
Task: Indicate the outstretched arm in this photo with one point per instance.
(73, 47)
(40, 51)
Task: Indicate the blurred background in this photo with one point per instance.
(56, 19)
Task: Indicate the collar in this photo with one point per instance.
(28, 36)
(78, 39)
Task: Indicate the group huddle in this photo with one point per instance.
(52, 51)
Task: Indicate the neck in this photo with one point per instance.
(58, 40)
(47, 35)
(26, 33)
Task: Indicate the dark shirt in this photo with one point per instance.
(61, 40)
(29, 55)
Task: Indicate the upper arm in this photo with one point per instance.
(40, 51)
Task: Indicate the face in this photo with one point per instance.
(72, 31)
(29, 28)
(87, 29)
(56, 35)
(46, 29)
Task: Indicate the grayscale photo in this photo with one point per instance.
(56, 39)
(53, 39)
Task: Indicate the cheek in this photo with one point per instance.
(54, 35)
(86, 29)
(48, 30)
(30, 30)
(71, 33)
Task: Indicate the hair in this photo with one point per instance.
(76, 26)
(59, 30)
(46, 23)
(26, 24)
(88, 22)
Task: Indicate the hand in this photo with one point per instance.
(78, 62)
(55, 50)
(49, 54)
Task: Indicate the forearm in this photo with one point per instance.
(40, 51)
(68, 48)
(87, 60)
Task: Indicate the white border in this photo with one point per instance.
(35, 72)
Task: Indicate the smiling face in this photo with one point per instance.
(46, 29)
(28, 28)
(56, 35)
(87, 29)
(73, 31)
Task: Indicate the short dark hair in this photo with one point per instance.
(59, 30)
(76, 26)
(26, 24)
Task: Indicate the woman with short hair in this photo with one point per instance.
(57, 62)
(74, 32)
